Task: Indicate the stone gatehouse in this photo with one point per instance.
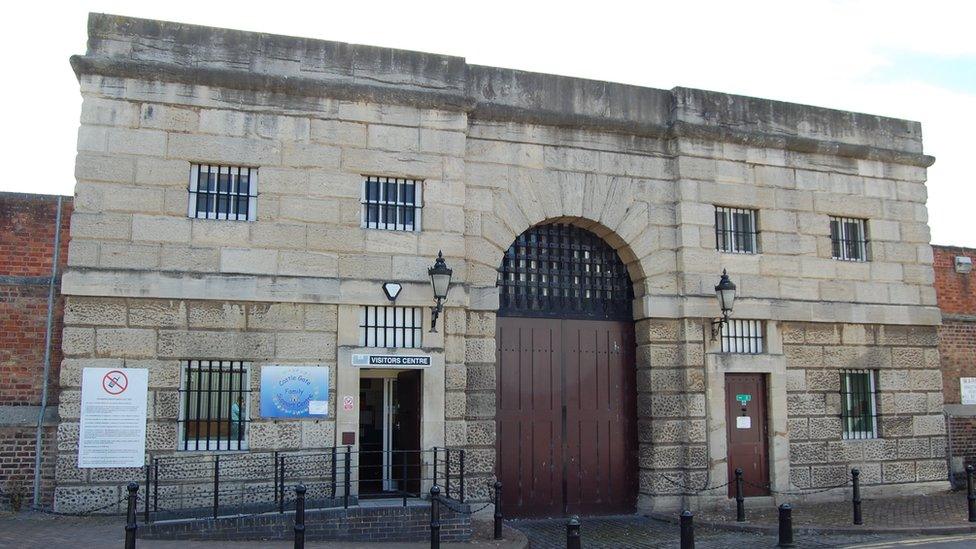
(242, 199)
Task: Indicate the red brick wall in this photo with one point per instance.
(955, 292)
(27, 226)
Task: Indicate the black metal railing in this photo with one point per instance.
(219, 485)
(215, 396)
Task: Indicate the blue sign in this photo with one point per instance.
(294, 391)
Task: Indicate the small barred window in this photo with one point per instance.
(223, 192)
(859, 403)
(392, 204)
(743, 336)
(214, 412)
(390, 327)
(736, 230)
(849, 239)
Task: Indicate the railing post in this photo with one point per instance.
(403, 472)
(299, 516)
(498, 509)
(435, 517)
(856, 480)
(435, 465)
(130, 524)
(461, 457)
(281, 485)
(740, 508)
(573, 533)
(687, 530)
(277, 495)
(970, 496)
(155, 485)
(447, 472)
(145, 512)
(786, 525)
(348, 465)
(335, 469)
(216, 489)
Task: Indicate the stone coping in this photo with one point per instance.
(125, 47)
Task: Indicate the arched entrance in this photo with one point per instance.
(566, 399)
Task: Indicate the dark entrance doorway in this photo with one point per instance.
(389, 432)
(745, 413)
(566, 398)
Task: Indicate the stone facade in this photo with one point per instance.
(498, 151)
(27, 230)
(956, 293)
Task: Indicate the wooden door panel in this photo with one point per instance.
(747, 446)
(566, 415)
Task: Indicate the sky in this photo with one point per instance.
(906, 59)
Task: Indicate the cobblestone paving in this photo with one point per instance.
(942, 509)
(635, 532)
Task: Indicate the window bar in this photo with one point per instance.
(209, 399)
(220, 397)
(240, 417)
(186, 414)
(198, 399)
(230, 398)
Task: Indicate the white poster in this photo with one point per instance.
(113, 417)
(743, 422)
(967, 385)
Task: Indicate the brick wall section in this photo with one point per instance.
(370, 524)
(27, 226)
(956, 294)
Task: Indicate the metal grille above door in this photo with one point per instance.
(563, 271)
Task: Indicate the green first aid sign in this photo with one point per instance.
(743, 398)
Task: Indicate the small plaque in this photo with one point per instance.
(347, 403)
(743, 422)
(743, 398)
(967, 386)
(318, 407)
(348, 438)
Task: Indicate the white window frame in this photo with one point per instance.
(725, 241)
(848, 397)
(194, 187)
(396, 225)
(395, 327)
(844, 237)
(198, 445)
(743, 336)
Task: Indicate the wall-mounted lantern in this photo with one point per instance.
(725, 293)
(440, 280)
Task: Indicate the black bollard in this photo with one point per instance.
(687, 530)
(786, 525)
(856, 479)
(573, 540)
(498, 509)
(970, 496)
(300, 516)
(740, 508)
(435, 517)
(130, 520)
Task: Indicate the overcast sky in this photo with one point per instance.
(914, 60)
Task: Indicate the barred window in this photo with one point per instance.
(848, 239)
(736, 230)
(392, 204)
(859, 403)
(214, 405)
(743, 336)
(223, 192)
(390, 327)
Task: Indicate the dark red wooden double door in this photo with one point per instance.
(566, 416)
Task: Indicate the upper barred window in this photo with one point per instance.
(223, 192)
(390, 327)
(848, 239)
(391, 203)
(736, 230)
(743, 336)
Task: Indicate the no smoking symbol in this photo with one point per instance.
(115, 382)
